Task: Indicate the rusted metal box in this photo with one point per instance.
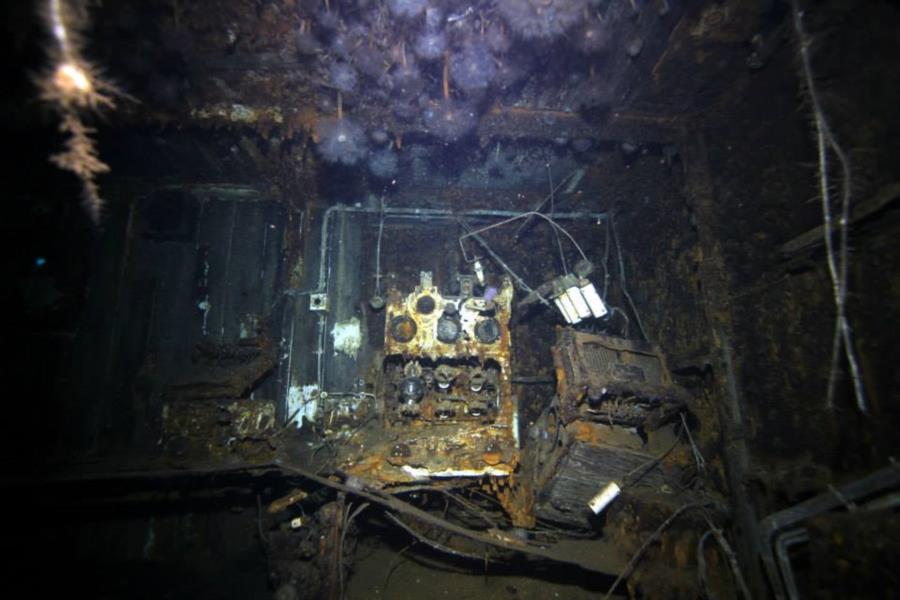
(614, 380)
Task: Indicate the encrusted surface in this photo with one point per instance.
(220, 431)
(605, 378)
(463, 422)
(425, 342)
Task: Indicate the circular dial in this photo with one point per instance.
(403, 328)
(488, 331)
(448, 329)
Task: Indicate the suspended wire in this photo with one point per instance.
(626, 329)
(524, 215)
(627, 326)
(378, 250)
(519, 281)
(606, 262)
(611, 233)
(650, 539)
(546, 199)
(725, 547)
(837, 259)
(615, 237)
(562, 254)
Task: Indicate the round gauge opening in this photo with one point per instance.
(487, 331)
(425, 305)
(403, 328)
(448, 329)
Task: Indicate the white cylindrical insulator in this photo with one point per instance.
(562, 309)
(578, 301)
(479, 272)
(595, 302)
(569, 309)
(609, 493)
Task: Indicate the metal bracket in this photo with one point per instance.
(466, 285)
(318, 302)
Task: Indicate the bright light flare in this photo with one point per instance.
(70, 79)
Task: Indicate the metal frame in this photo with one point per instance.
(772, 527)
(412, 213)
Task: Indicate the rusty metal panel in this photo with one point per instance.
(424, 340)
(445, 387)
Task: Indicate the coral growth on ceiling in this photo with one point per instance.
(429, 67)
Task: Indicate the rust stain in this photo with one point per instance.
(465, 441)
(283, 503)
(492, 458)
(584, 431)
(516, 497)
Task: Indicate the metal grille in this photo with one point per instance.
(597, 358)
(631, 366)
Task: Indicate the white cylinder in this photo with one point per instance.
(609, 493)
(570, 308)
(594, 300)
(578, 301)
(563, 310)
(479, 272)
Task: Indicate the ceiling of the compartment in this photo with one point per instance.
(524, 67)
(413, 74)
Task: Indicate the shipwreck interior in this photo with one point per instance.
(452, 298)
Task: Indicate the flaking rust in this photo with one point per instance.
(613, 380)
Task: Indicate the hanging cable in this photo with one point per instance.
(519, 281)
(606, 261)
(571, 177)
(615, 237)
(837, 259)
(378, 249)
(617, 310)
(377, 300)
(524, 215)
(562, 254)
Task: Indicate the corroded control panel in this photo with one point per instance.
(445, 384)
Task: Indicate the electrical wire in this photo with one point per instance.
(565, 180)
(378, 250)
(647, 466)
(562, 254)
(725, 547)
(615, 237)
(606, 262)
(698, 456)
(837, 260)
(616, 309)
(524, 215)
(640, 551)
